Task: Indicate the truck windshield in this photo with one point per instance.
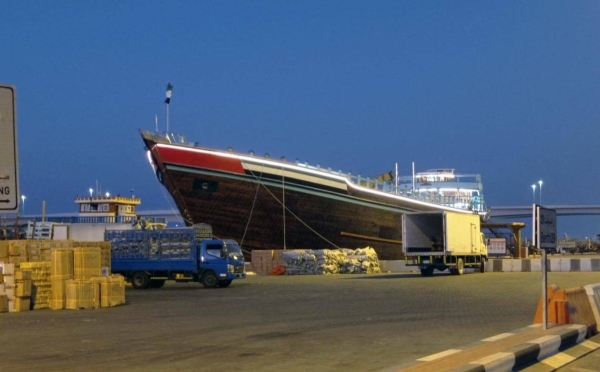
(232, 247)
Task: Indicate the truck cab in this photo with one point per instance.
(220, 261)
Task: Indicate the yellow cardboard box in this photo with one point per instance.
(3, 303)
(19, 304)
(58, 298)
(61, 260)
(23, 288)
(14, 247)
(21, 274)
(7, 268)
(9, 281)
(87, 263)
(3, 249)
(80, 294)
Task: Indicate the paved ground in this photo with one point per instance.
(289, 323)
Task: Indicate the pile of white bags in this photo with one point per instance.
(331, 261)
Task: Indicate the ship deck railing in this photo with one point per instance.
(473, 203)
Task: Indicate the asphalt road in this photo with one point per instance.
(286, 323)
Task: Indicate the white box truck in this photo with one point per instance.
(443, 240)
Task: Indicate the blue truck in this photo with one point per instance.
(147, 258)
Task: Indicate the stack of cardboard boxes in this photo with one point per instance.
(41, 289)
(77, 282)
(15, 289)
(58, 275)
(263, 261)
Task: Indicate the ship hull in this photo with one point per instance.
(263, 216)
(265, 204)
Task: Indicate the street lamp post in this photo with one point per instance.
(533, 187)
(23, 197)
(540, 182)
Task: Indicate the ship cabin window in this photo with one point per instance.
(104, 207)
(89, 207)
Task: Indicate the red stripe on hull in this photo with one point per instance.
(200, 160)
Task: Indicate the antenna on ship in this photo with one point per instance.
(168, 101)
(156, 122)
(413, 169)
(396, 178)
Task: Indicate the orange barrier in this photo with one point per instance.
(568, 306)
(552, 288)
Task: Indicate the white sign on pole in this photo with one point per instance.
(546, 228)
(496, 246)
(9, 200)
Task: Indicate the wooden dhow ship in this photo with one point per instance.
(265, 203)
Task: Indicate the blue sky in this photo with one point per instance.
(507, 89)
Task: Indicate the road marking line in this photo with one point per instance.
(439, 355)
(590, 345)
(498, 337)
(558, 360)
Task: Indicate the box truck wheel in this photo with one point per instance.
(224, 283)
(482, 266)
(140, 280)
(460, 267)
(209, 279)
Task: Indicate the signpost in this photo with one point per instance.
(544, 234)
(9, 199)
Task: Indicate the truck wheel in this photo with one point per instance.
(460, 267)
(209, 280)
(224, 283)
(482, 266)
(427, 271)
(140, 280)
(157, 283)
